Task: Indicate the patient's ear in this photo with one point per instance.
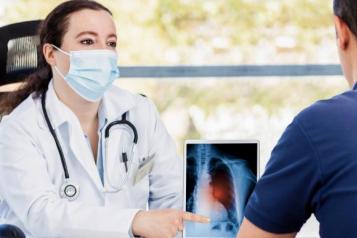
(343, 33)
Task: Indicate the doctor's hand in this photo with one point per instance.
(162, 223)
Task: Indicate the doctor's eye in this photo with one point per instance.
(87, 41)
(112, 44)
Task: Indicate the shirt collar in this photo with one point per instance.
(355, 86)
(114, 104)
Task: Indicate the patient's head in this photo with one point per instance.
(346, 31)
(347, 11)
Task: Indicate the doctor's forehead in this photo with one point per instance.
(98, 21)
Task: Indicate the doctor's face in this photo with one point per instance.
(87, 30)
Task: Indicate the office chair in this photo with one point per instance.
(18, 51)
(10, 231)
(18, 58)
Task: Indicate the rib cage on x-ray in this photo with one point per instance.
(218, 186)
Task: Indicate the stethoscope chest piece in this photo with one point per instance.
(69, 190)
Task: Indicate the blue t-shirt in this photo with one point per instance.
(312, 170)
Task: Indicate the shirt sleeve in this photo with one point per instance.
(288, 191)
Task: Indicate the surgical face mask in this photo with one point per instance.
(91, 72)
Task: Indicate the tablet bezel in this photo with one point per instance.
(214, 142)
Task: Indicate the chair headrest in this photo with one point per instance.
(18, 51)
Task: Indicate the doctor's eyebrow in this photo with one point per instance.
(94, 34)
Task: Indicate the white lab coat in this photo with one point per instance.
(31, 173)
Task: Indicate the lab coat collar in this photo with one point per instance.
(58, 112)
(115, 103)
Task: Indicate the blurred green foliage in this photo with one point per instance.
(180, 26)
(240, 19)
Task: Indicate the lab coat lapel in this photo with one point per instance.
(116, 102)
(113, 169)
(82, 153)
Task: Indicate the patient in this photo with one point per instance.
(313, 168)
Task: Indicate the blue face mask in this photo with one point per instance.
(91, 72)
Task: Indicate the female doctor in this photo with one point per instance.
(78, 156)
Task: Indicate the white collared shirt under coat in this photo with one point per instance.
(31, 173)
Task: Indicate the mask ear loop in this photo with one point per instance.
(64, 52)
(58, 71)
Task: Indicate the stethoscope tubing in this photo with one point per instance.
(53, 133)
(123, 121)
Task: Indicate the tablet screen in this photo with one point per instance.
(219, 178)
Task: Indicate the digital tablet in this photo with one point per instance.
(219, 179)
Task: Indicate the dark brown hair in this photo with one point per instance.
(51, 30)
(347, 11)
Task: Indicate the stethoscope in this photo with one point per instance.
(70, 190)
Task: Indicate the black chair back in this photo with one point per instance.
(18, 51)
(11, 231)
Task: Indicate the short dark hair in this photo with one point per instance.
(347, 11)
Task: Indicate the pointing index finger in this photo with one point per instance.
(188, 216)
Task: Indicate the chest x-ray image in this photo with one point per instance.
(220, 176)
